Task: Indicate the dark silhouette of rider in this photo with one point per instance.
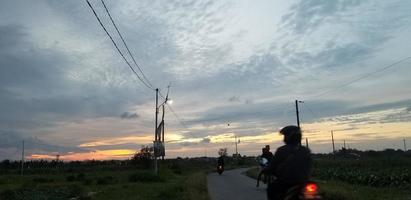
(220, 161)
(266, 153)
(291, 164)
(268, 156)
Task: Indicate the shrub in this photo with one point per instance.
(70, 178)
(42, 180)
(106, 180)
(144, 177)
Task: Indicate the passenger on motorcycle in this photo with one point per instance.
(267, 153)
(265, 159)
(291, 164)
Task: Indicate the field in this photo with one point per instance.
(381, 177)
(107, 180)
(340, 178)
(182, 179)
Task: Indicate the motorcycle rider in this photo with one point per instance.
(220, 161)
(268, 156)
(291, 164)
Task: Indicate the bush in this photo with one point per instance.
(87, 181)
(333, 196)
(56, 192)
(42, 180)
(80, 177)
(170, 193)
(70, 178)
(144, 177)
(106, 180)
(7, 194)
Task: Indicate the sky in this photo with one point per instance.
(65, 90)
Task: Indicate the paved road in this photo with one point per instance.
(232, 184)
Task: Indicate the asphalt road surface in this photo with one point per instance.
(233, 185)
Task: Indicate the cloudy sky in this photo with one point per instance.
(65, 90)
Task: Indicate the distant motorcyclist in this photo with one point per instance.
(220, 164)
(220, 161)
(291, 164)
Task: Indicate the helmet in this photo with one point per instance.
(292, 134)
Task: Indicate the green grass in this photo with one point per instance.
(342, 190)
(338, 190)
(105, 184)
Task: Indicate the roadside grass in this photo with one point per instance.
(101, 184)
(338, 190)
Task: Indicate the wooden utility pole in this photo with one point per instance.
(306, 142)
(332, 138)
(236, 149)
(156, 137)
(405, 146)
(22, 159)
(297, 113)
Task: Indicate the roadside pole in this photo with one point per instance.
(156, 136)
(22, 159)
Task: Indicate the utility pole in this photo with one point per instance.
(332, 138)
(22, 159)
(156, 136)
(344, 145)
(236, 149)
(296, 111)
(405, 146)
(162, 132)
(306, 142)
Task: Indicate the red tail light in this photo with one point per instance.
(311, 188)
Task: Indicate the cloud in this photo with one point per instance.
(206, 140)
(118, 141)
(66, 80)
(234, 99)
(12, 141)
(127, 115)
(307, 15)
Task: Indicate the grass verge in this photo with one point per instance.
(104, 185)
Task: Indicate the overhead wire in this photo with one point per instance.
(147, 83)
(310, 110)
(362, 77)
(125, 44)
(116, 46)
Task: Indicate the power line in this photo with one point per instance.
(125, 44)
(115, 45)
(362, 77)
(177, 117)
(309, 109)
(148, 84)
(172, 111)
(356, 80)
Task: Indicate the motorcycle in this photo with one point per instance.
(220, 169)
(263, 164)
(307, 191)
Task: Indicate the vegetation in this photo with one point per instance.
(182, 179)
(178, 179)
(352, 174)
(387, 168)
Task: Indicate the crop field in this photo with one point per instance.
(106, 180)
(379, 172)
(179, 179)
(386, 177)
